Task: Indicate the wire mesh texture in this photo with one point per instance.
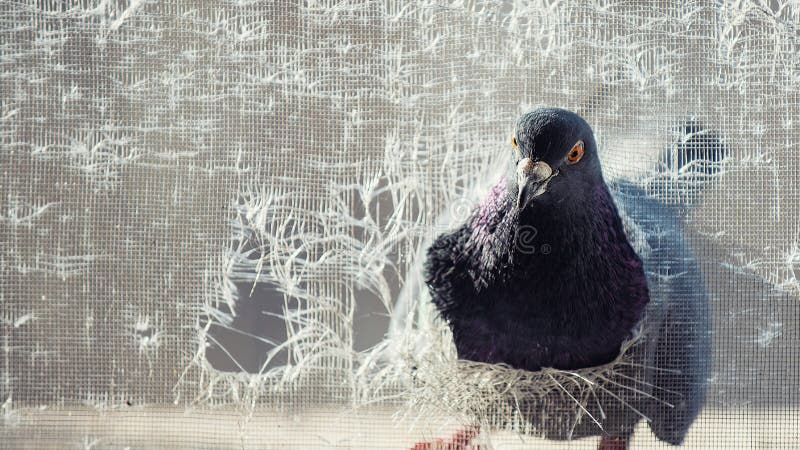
(209, 210)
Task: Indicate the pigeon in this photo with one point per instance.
(556, 268)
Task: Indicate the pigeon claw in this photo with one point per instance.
(613, 443)
(461, 440)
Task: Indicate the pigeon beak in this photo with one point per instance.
(532, 178)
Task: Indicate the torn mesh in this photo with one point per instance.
(210, 211)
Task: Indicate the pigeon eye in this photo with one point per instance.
(576, 153)
(514, 143)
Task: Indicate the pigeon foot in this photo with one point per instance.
(461, 440)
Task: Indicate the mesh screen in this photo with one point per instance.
(212, 214)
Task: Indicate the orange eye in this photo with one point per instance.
(576, 153)
(514, 143)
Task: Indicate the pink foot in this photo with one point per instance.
(462, 440)
(613, 443)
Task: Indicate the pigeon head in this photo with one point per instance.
(555, 158)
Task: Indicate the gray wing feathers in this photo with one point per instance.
(677, 324)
